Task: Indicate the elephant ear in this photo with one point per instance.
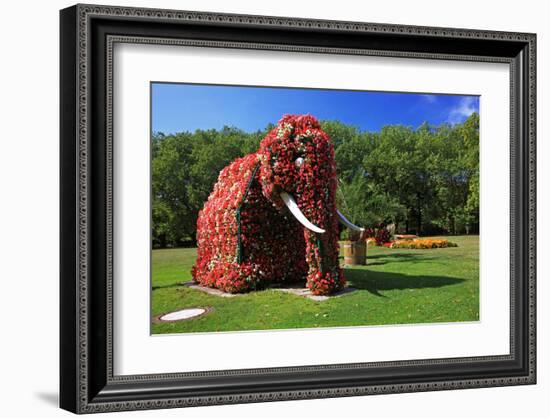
(277, 171)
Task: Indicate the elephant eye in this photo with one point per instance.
(299, 161)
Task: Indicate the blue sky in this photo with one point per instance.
(188, 107)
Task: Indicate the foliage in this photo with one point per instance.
(421, 180)
(365, 203)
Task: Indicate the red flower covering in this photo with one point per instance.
(246, 236)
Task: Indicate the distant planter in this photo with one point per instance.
(399, 237)
(355, 252)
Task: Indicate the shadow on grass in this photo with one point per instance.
(166, 286)
(376, 281)
(395, 258)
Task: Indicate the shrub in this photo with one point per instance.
(380, 235)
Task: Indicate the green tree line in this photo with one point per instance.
(424, 180)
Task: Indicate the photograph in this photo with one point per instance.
(276, 208)
(259, 207)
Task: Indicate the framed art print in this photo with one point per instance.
(263, 208)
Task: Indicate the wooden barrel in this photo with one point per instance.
(355, 252)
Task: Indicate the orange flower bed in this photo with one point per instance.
(423, 243)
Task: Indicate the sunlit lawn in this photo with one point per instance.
(396, 287)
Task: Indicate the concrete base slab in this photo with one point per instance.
(293, 289)
(306, 293)
(209, 290)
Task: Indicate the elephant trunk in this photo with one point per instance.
(318, 207)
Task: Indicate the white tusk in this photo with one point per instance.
(295, 210)
(347, 223)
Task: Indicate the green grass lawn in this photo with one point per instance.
(397, 286)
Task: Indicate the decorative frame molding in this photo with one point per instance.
(88, 34)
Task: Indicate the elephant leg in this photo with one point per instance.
(230, 277)
(234, 277)
(325, 275)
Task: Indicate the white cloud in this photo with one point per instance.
(465, 107)
(429, 98)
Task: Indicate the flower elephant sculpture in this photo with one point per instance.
(272, 215)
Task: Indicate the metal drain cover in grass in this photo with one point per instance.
(183, 314)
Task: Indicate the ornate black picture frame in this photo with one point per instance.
(87, 36)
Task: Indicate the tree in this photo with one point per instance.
(394, 166)
(173, 217)
(425, 178)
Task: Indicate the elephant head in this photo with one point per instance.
(298, 171)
